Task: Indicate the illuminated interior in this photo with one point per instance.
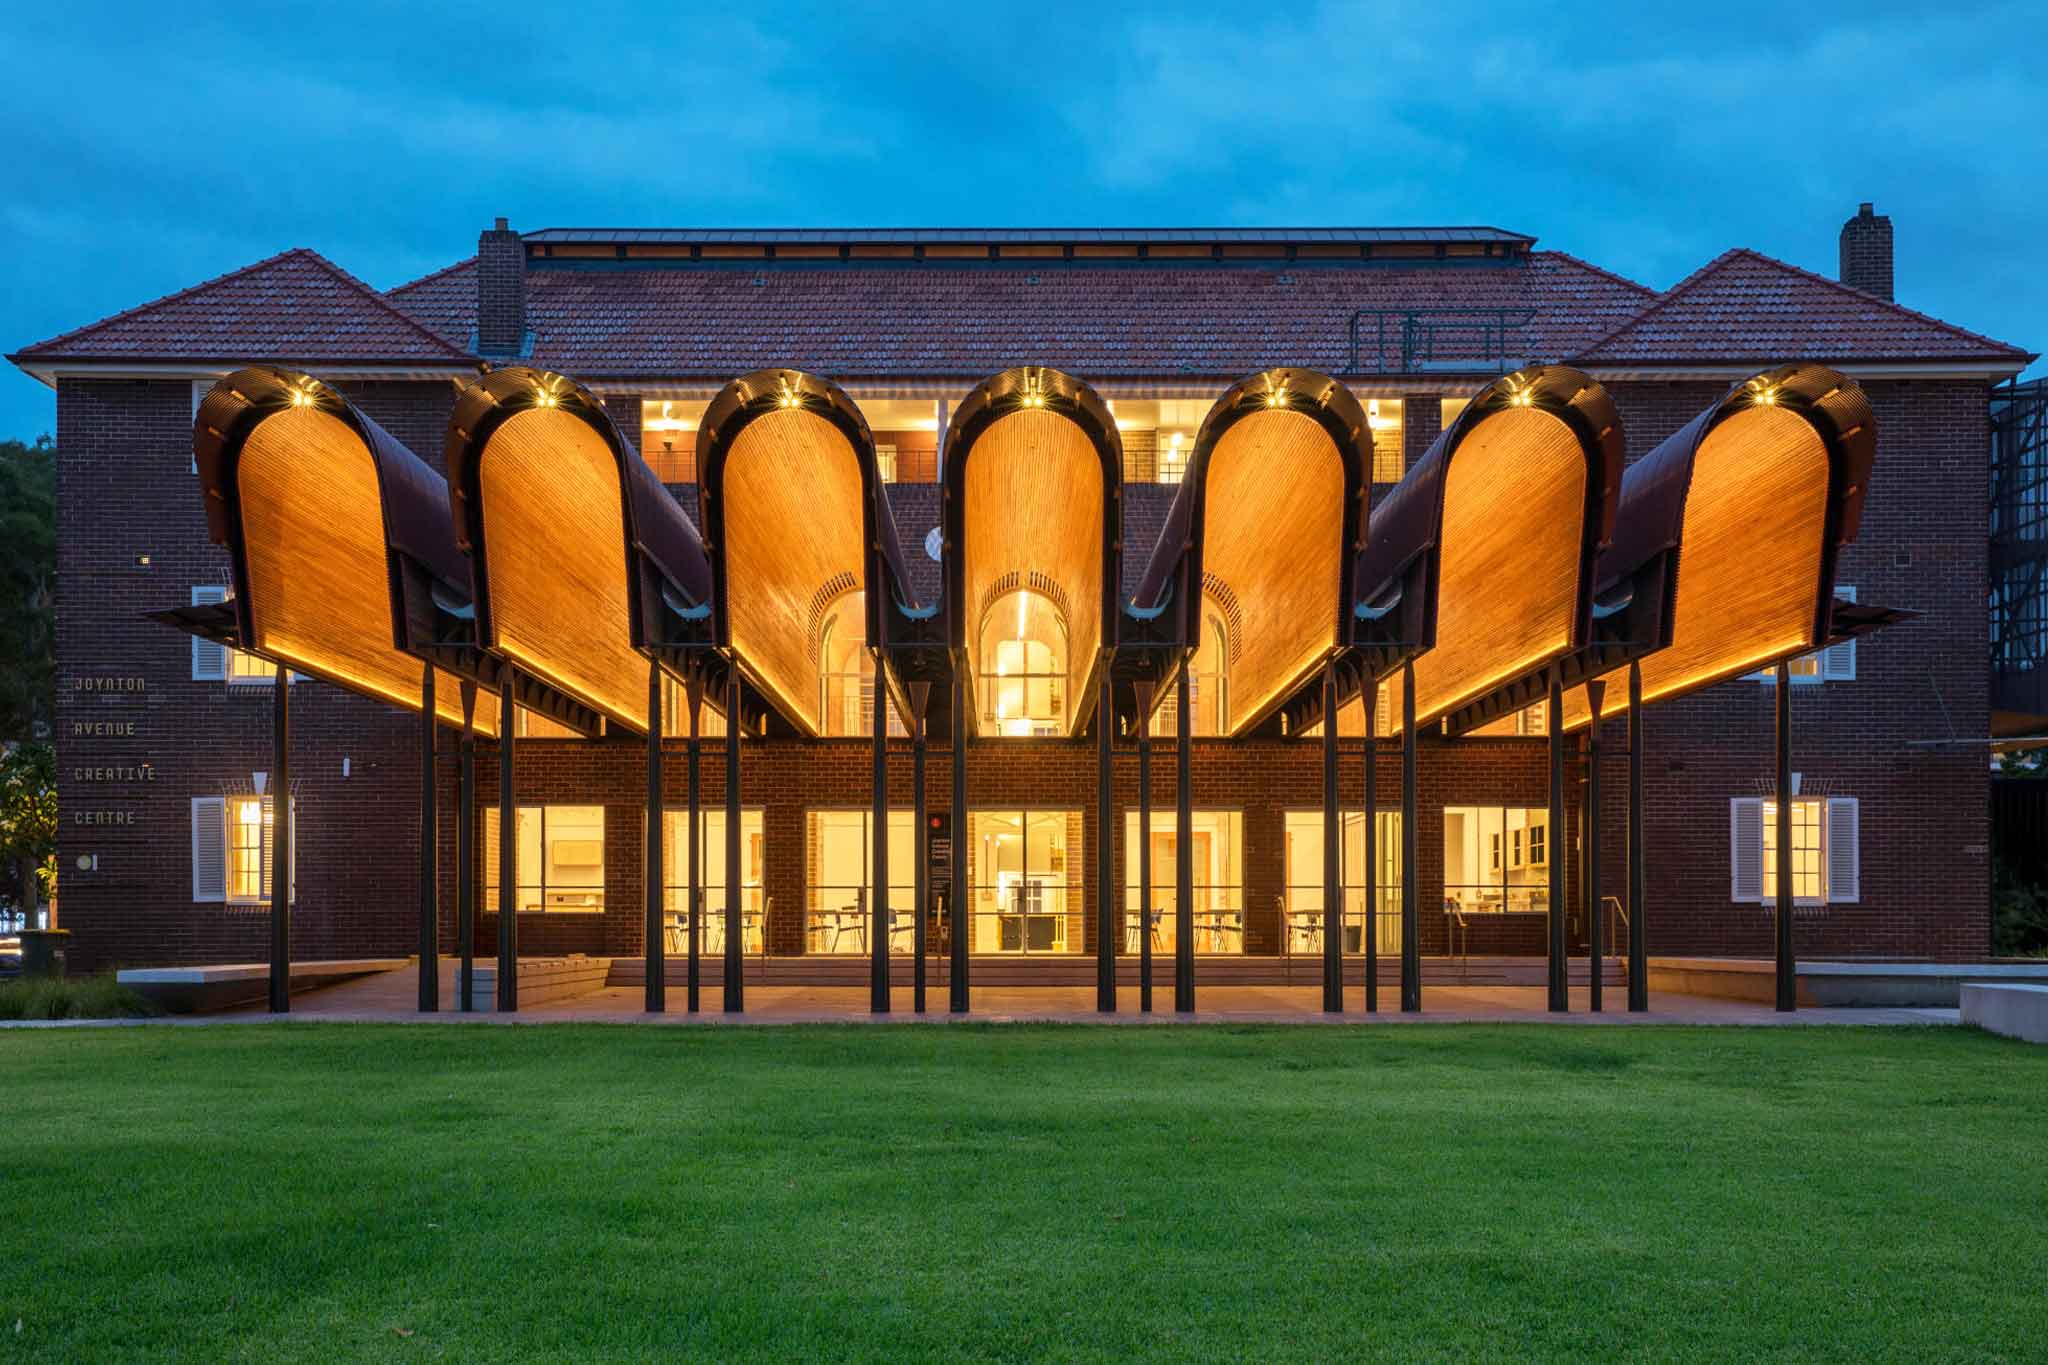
(675, 879)
(318, 565)
(1025, 870)
(839, 852)
(1216, 847)
(1209, 682)
(1032, 519)
(558, 861)
(1023, 666)
(1303, 921)
(846, 672)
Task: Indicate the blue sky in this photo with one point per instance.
(153, 147)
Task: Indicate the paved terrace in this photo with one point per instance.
(390, 997)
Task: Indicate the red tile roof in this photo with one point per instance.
(1098, 321)
(297, 306)
(1152, 321)
(1745, 306)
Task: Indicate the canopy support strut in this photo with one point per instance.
(430, 852)
(281, 843)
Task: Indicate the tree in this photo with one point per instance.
(28, 589)
(28, 824)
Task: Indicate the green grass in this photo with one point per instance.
(92, 997)
(489, 1193)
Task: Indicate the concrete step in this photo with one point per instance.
(541, 979)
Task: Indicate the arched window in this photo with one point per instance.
(1023, 666)
(846, 671)
(1209, 697)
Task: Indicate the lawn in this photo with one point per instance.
(487, 1193)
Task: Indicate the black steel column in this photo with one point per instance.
(1595, 912)
(693, 816)
(430, 852)
(1411, 935)
(465, 855)
(1369, 698)
(1553, 841)
(735, 922)
(963, 926)
(281, 844)
(508, 854)
(1638, 947)
(1333, 853)
(1105, 844)
(921, 890)
(1788, 971)
(878, 900)
(1183, 842)
(657, 891)
(1145, 693)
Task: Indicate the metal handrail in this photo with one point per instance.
(1617, 913)
(1414, 334)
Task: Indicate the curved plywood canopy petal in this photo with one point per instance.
(796, 516)
(327, 519)
(1033, 510)
(579, 554)
(1479, 566)
(1271, 512)
(1751, 502)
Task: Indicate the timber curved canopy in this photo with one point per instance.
(1479, 566)
(582, 562)
(1270, 514)
(1749, 504)
(796, 517)
(344, 564)
(1033, 515)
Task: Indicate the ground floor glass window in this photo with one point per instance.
(839, 856)
(1216, 845)
(1025, 870)
(675, 875)
(1302, 905)
(558, 859)
(1497, 859)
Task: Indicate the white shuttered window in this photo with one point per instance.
(1826, 850)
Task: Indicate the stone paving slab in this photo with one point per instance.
(390, 997)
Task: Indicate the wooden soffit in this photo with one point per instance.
(1751, 501)
(1270, 514)
(325, 515)
(797, 517)
(1033, 486)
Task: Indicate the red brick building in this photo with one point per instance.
(160, 735)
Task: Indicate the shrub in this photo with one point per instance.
(92, 997)
(2019, 915)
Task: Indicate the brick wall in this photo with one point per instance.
(125, 489)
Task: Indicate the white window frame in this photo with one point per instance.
(213, 662)
(210, 832)
(1831, 663)
(1841, 848)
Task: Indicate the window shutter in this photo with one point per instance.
(489, 880)
(270, 844)
(1746, 849)
(1838, 662)
(209, 848)
(1845, 839)
(209, 660)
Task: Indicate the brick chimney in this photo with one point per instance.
(1867, 252)
(501, 292)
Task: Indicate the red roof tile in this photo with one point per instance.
(443, 302)
(1745, 306)
(297, 306)
(1096, 321)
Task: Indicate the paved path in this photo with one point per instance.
(391, 997)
